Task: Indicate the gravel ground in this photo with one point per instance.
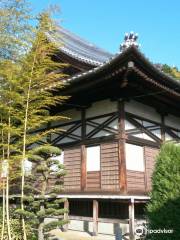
(75, 235)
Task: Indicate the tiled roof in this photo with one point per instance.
(78, 48)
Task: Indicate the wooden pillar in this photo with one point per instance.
(66, 215)
(131, 220)
(121, 148)
(83, 151)
(95, 217)
(83, 168)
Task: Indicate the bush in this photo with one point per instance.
(164, 208)
(15, 227)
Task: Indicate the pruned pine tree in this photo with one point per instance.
(41, 190)
(40, 81)
(163, 209)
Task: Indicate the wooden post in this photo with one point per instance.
(83, 151)
(66, 215)
(83, 168)
(95, 217)
(131, 220)
(121, 148)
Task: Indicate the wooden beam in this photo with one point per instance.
(102, 125)
(103, 220)
(142, 142)
(121, 147)
(145, 130)
(83, 168)
(66, 215)
(131, 220)
(95, 217)
(83, 121)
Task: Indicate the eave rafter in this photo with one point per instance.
(160, 86)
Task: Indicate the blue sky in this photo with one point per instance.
(104, 23)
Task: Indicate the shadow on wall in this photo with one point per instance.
(117, 231)
(86, 227)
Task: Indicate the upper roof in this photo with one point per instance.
(129, 67)
(78, 48)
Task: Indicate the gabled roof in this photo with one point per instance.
(78, 48)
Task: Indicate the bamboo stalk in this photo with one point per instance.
(4, 192)
(24, 144)
(7, 179)
(4, 211)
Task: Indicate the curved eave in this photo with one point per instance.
(140, 64)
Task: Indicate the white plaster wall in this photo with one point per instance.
(115, 229)
(76, 225)
(101, 107)
(71, 115)
(172, 121)
(142, 110)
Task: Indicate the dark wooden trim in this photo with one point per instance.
(150, 121)
(141, 118)
(142, 142)
(93, 141)
(83, 168)
(102, 126)
(106, 128)
(101, 116)
(95, 217)
(68, 133)
(83, 121)
(172, 134)
(121, 147)
(145, 130)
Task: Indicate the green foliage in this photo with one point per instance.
(15, 227)
(41, 205)
(15, 28)
(164, 208)
(30, 84)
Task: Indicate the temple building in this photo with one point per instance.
(121, 109)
